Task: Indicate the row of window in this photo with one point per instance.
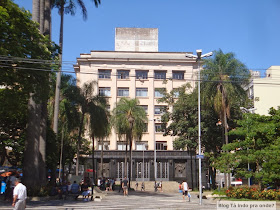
(158, 110)
(140, 92)
(158, 128)
(140, 74)
(140, 146)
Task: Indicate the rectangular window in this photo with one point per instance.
(106, 146)
(158, 128)
(142, 92)
(176, 93)
(159, 92)
(104, 74)
(160, 109)
(178, 75)
(123, 92)
(141, 146)
(141, 74)
(105, 91)
(122, 146)
(160, 74)
(123, 74)
(161, 145)
(145, 107)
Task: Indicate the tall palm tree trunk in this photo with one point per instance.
(31, 153)
(102, 142)
(130, 158)
(227, 175)
(34, 154)
(47, 19)
(58, 76)
(125, 159)
(79, 143)
(42, 16)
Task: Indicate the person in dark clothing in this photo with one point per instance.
(125, 187)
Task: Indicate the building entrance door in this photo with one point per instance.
(163, 171)
(121, 170)
(140, 167)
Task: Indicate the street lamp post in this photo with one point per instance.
(248, 111)
(198, 58)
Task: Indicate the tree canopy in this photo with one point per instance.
(257, 143)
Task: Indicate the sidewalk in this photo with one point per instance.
(116, 200)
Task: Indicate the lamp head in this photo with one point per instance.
(191, 56)
(207, 55)
(199, 52)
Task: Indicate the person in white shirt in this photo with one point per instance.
(185, 189)
(19, 195)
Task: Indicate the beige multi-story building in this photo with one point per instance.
(265, 90)
(137, 70)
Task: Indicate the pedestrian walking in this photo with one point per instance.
(143, 186)
(125, 187)
(19, 195)
(185, 190)
(136, 186)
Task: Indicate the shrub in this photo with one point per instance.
(252, 193)
(39, 191)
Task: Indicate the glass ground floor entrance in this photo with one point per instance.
(169, 166)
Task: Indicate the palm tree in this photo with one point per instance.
(100, 128)
(65, 7)
(37, 111)
(86, 102)
(129, 120)
(223, 79)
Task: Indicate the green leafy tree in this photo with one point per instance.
(129, 120)
(223, 79)
(21, 43)
(257, 143)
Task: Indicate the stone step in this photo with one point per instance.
(167, 186)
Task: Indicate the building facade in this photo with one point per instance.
(266, 90)
(137, 70)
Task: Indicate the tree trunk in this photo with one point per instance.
(31, 162)
(227, 175)
(47, 20)
(42, 16)
(93, 167)
(79, 142)
(125, 159)
(130, 159)
(102, 142)
(42, 142)
(31, 153)
(61, 153)
(58, 76)
(36, 11)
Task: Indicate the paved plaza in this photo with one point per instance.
(115, 200)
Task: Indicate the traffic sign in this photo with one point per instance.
(200, 156)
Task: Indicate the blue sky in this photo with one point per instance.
(249, 28)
